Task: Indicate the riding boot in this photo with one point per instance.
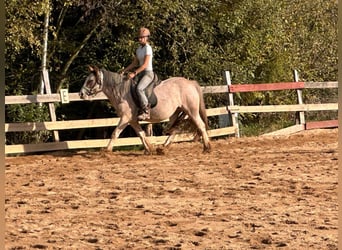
(145, 115)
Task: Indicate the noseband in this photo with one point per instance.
(92, 91)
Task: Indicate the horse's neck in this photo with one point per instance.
(115, 87)
(111, 79)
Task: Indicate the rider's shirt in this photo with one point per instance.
(141, 52)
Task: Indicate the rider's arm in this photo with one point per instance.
(134, 63)
(145, 64)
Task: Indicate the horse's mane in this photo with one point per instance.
(116, 83)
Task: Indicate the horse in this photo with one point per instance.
(177, 98)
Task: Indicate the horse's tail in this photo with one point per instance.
(202, 110)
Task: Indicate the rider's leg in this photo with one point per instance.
(143, 83)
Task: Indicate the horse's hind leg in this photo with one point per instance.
(175, 119)
(169, 139)
(202, 128)
(149, 130)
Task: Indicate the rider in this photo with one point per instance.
(142, 63)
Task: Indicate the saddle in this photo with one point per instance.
(149, 91)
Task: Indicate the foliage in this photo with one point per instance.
(258, 41)
(27, 113)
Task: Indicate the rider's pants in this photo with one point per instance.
(145, 78)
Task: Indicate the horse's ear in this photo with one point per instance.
(94, 69)
(91, 68)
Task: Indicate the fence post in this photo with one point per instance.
(51, 105)
(300, 116)
(233, 116)
(226, 119)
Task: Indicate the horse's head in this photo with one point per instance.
(93, 83)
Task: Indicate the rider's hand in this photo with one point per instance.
(131, 75)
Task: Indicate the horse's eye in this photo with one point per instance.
(91, 83)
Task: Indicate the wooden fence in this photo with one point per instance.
(300, 108)
(231, 111)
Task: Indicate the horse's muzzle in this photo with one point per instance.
(83, 95)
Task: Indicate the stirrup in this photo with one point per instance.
(143, 116)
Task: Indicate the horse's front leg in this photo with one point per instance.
(116, 133)
(141, 133)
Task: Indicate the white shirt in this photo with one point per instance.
(142, 52)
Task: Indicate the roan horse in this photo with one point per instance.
(177, 98)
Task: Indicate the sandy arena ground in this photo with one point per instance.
(249, 193)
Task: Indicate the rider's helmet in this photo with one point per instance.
(144, 32)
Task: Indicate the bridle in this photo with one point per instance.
(92, 91)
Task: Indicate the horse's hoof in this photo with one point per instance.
(207, 150)
(104, 152)
(146, 152)
(108, 149)
(160, 151)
